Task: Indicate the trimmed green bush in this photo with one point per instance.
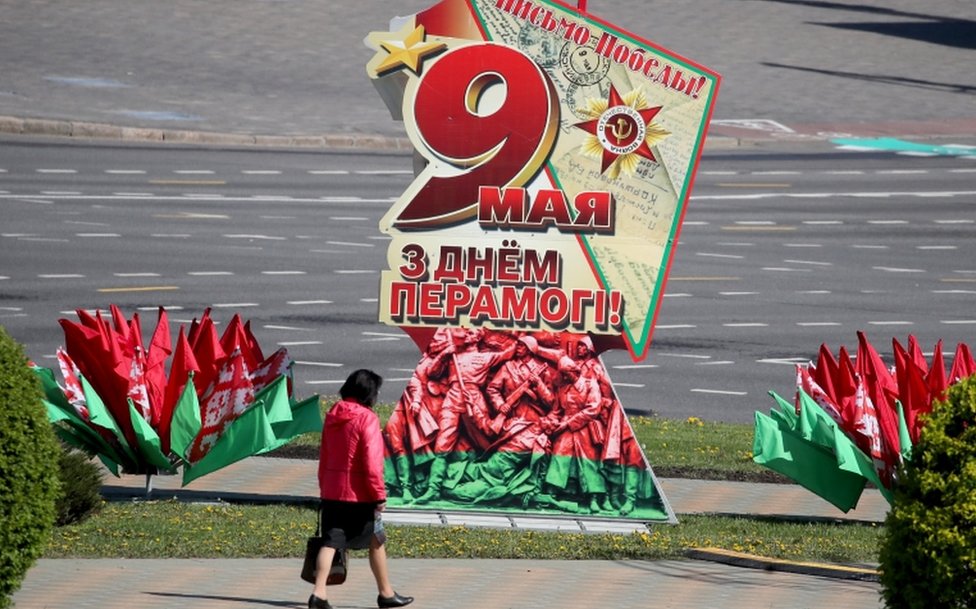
(81, 485)
(928, 550)
(28, 469)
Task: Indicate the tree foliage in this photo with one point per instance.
(928, 551)
(81, 485)
(28, 469)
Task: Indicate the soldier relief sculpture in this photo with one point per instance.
(516, 421)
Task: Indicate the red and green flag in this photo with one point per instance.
(854, 422)
(115, 400)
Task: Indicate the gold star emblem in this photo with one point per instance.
(409, 51)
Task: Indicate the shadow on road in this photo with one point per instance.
(950, 87)
(952, 33)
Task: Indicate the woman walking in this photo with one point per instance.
(351, 487)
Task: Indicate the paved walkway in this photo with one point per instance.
(437, 584)
(292, 72)
(719, 580)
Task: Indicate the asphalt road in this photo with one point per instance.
(770, 264)
(778, 254)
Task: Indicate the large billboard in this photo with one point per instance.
(555, 154)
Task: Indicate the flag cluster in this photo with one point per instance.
(218, 401)
(854, 419)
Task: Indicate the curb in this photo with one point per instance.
(121, 494)
(751, 561)
(82, 129)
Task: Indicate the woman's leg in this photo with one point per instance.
(377, 563)
(322, 566)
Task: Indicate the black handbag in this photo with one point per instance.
(340, 561)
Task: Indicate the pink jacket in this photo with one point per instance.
(351, 457)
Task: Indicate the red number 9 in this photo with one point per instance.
(503, 146)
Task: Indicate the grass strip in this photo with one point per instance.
(170, 529)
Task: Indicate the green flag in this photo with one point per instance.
(250, 433)
(149, 444)
(73, 430)
(99, 415)
(52, 390)
(186, 422)
(809, 447)
(305, 417)
(817, 426)
(69, 425)
(780, 449)
(904, 438)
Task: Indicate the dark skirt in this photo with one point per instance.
(346, 524)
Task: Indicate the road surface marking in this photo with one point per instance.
(325, 364)
(159, 182)
(719, 392)
(147, 288)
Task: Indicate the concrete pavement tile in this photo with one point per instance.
(436, 583)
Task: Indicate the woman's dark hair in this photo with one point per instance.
(362, 386)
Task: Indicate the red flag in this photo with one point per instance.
(138, 391)
(880, 388)
(119, 321)
(936, 379)
(104, 331)
(847, 385)
(135, 333)
(913, 392)
(868, 436)
(235, 337)
(119, 362)
(228, 397)
(183, 363)
(72, 384)
(963, 365)
(805, 383)
(279, 363)
(209, 354)
(87, 319)
(915, 351)
(160, 348)
(195, 326)
(97, 356)
(126, 369)
(256, 353)
(825, 372)
(82, 343)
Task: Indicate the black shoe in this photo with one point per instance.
(393, 601)
(315, 602)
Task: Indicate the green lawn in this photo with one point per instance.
(688, 448)
(169, 529)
